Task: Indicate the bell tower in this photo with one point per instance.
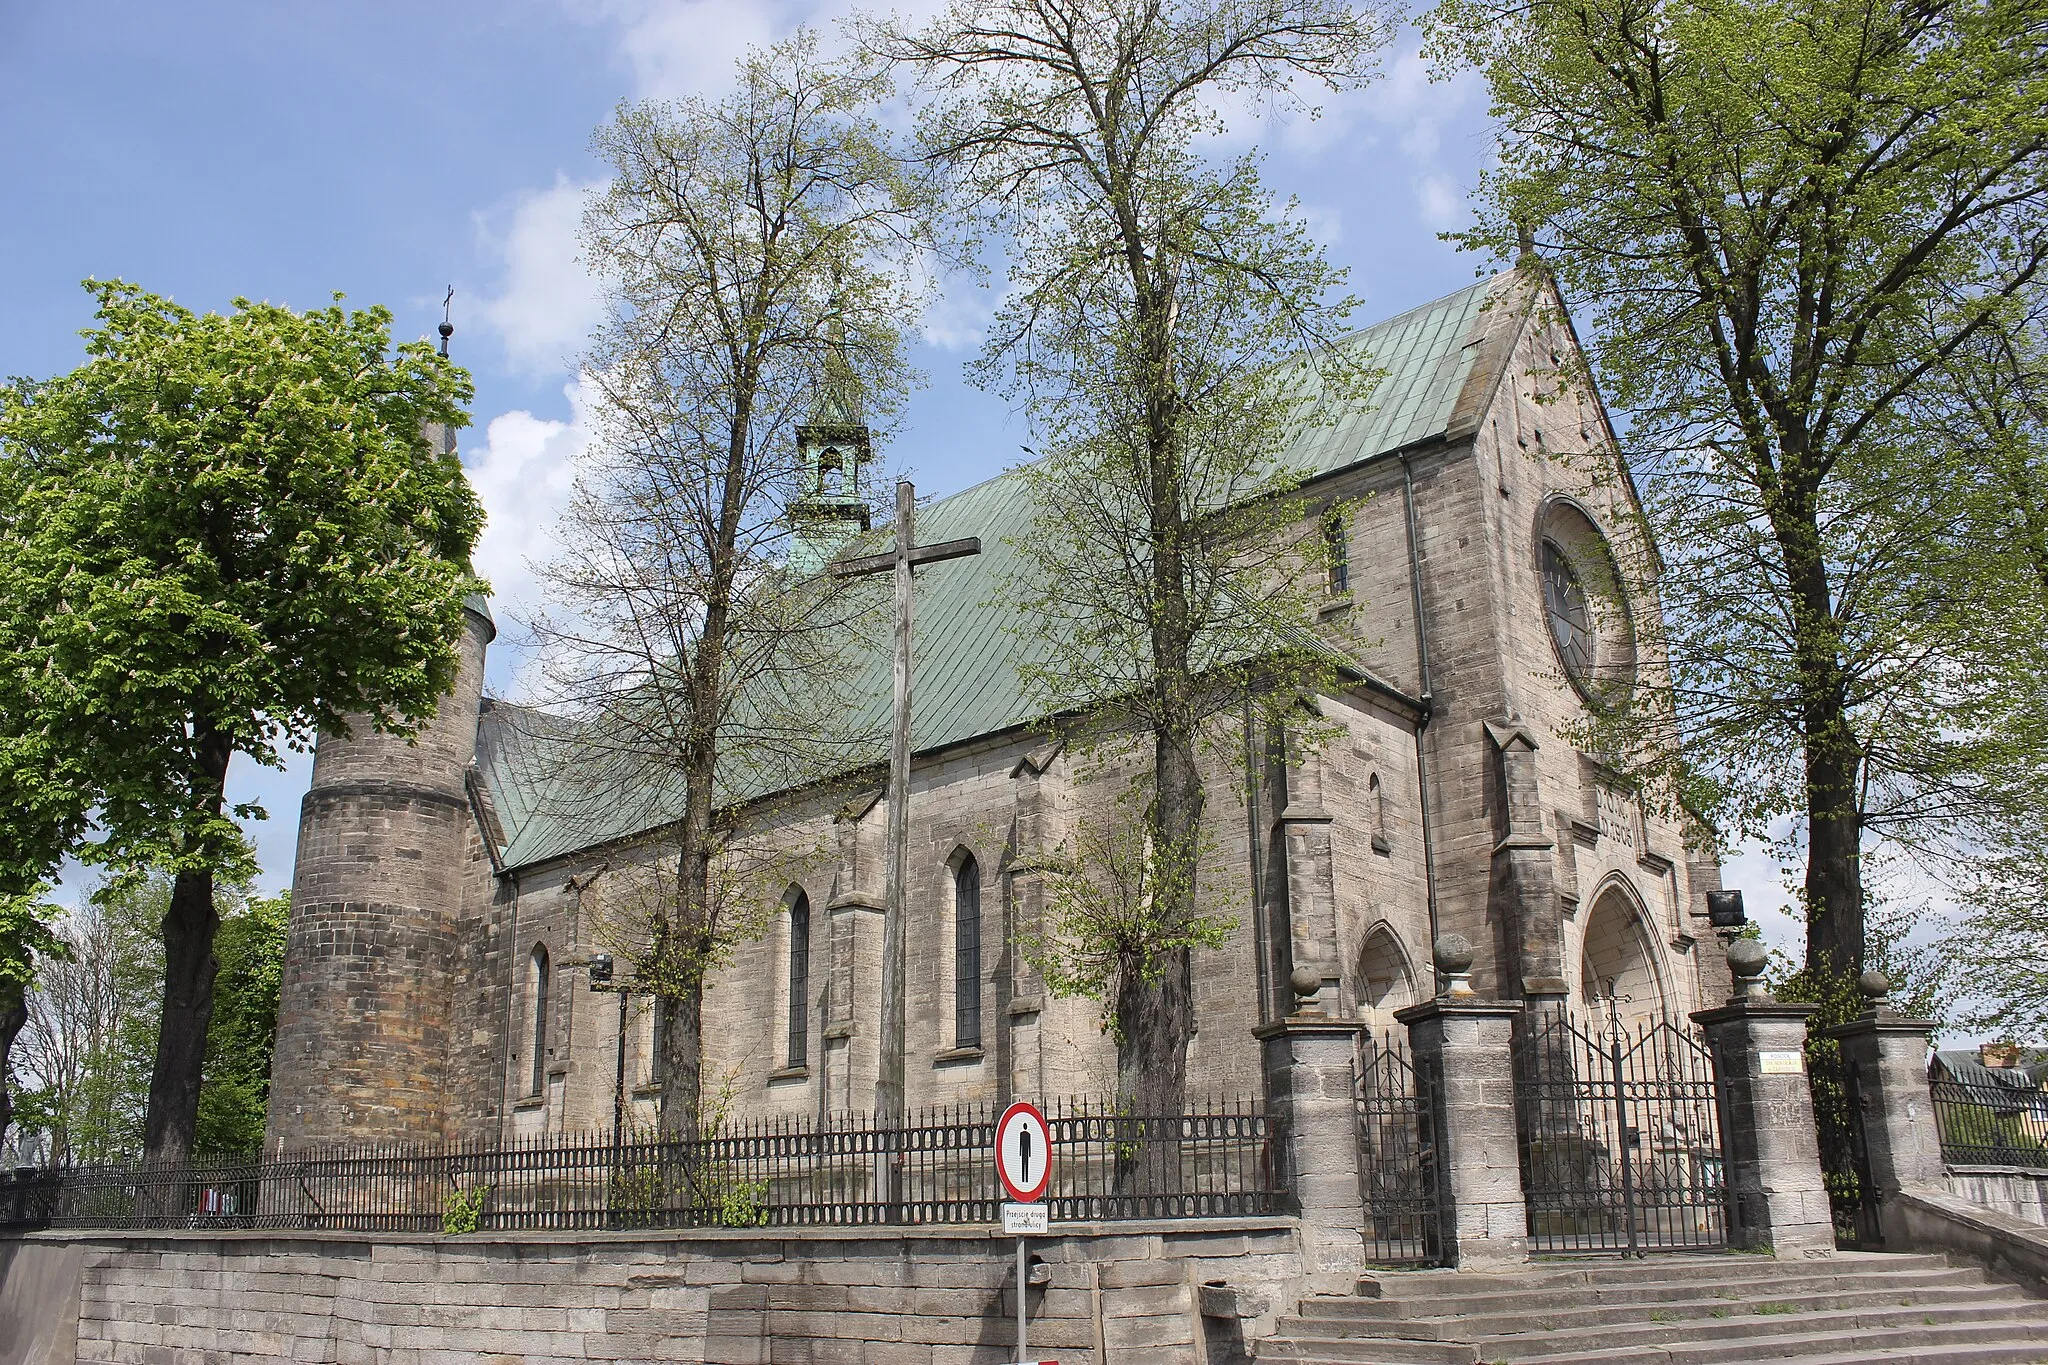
(364, 1017)
(834, 449)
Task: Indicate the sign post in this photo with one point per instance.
(1024, 1165)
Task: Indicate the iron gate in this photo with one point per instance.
(1838, 1131)
(1620, 1136)
(1396, 1156)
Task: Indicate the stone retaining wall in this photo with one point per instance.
(2019, 1191)
(1130, 1294)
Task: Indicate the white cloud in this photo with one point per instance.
(523, 473)
(683, 49)
(549, 303)
(1325, 224)
(1441, 204)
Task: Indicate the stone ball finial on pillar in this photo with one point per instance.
(1305, 982)
(1746, 961)
(1876, 989)
(1454, 958)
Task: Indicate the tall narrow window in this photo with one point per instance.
(799, 979)
(657, 1038)
(540, 1019)
(967, 953)
(1337, 546)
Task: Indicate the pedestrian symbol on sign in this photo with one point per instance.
(1023, 1152)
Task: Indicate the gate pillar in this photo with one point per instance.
(1311, 1088)
(1463, 1058)
(1777, 1194)
(1901, 1140)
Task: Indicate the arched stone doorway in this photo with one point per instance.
(1618, 957)
(1386, 981)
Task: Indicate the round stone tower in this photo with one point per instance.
(363, 1022)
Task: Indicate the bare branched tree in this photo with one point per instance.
(759, 254)
(1158, 303)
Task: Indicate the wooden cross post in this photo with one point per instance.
(907, 555)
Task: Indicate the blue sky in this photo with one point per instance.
(216, 148)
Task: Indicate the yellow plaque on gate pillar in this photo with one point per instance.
(1781, 1063)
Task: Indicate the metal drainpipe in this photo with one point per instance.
(1428, 700)
(1253, 842)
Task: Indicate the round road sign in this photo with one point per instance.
(1023, 1152)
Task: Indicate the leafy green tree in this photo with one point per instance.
(1992, 967)
(1787, 222)
(1157, 299)
(224, 533)
(243, 1032)
(753, 251)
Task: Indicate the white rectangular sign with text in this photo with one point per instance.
(1022, 1220)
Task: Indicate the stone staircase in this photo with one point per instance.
(1673, 1310)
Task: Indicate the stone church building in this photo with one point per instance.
(1489, 584)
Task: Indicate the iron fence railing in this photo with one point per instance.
(1396, 1154)
(1218, 1160)
(1991, 1125)
(1620, 1135)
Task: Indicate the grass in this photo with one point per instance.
(1768, 1308)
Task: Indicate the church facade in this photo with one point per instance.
(1489, 583)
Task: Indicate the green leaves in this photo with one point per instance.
(221, 533)
(1790, 224)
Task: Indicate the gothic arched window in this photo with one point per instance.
(540, 1018)
(799, 979)
(1337, 549)
(967, 952)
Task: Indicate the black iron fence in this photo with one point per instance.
(1396, 1155)
(1836, 1086)
(1991, 1125)
(1218, 1160)
(1620, 1135)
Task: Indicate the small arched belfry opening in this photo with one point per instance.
(1386, 980)
(1618, 958)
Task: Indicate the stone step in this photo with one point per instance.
(1606, 1271)
(1914, 1342)
(1340, 1319)
(2019, 1320)
(1365, 1351)
(2015, 1353)
(1845, 1310)
(1451, 1299)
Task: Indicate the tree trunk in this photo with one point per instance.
(682, 1063)
(172, 1115)
(13, 1016)
(1834, 814)
(692, 936)
(1834, 848)
(189, 966)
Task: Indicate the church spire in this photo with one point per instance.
(833, 452)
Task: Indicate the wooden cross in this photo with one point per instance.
(907, 555)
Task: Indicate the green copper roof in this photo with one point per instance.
(967, 657)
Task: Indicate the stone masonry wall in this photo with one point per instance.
(2018, 1191)
(1132, 1295)
(363, 1022)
